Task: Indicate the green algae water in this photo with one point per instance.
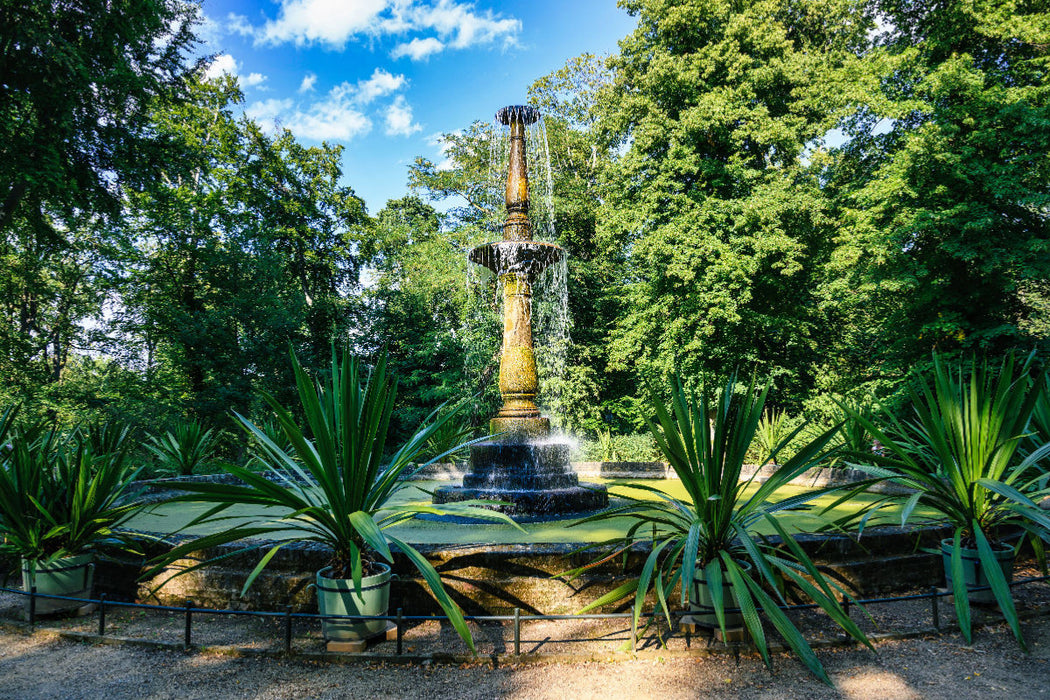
(170, 518)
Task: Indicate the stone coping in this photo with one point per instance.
(154, 490)
(815, 478)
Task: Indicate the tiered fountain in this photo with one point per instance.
(523, 466)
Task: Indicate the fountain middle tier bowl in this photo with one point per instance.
(527, 257)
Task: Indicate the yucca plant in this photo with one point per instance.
(606, 446)
(713, 535)
(257, 451)
(58, 496)
(187, 448)
(335, 482)
(853, 437)
(773, 426)
(963, 451)
(451, 438)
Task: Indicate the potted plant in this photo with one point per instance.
(335, 482)
(966, 451)
(708, 545)
(62, 502)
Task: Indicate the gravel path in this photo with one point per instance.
(46, 666)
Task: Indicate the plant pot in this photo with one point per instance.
(337, 596)
(701, 608)
(973, 573)
(72, 577)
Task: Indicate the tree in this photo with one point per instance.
(78, 83)
(245, 248)
(944, 186)
(721, 109)
(418, 300)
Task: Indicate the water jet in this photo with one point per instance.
(523, 467)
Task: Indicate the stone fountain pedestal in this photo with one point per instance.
(522, 466)
(531, 476)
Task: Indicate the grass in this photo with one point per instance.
(168, 518)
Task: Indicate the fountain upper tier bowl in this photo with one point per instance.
(526, 114)
(528, 257)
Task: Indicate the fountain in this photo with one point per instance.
(523, 466)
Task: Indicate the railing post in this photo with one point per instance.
(935, 608)
(189, 624)
(517, 631)
(287, 629)
(102, 615)
(400, 632)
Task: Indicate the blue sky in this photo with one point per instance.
(386, 77)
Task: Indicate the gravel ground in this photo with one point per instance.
(45, 666)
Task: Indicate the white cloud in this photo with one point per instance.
(308, 82)
(223, 63)
(341, 114)
(255, 80)
(239, 24)
(329, 22)
(399, 118)
(332, 23)
(208, 31)
(381, 83)
(452, 19)
(336, 117)
(269, 112)
(418, 49)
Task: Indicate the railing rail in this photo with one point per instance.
(105, 605)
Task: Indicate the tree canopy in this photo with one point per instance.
(819, 191)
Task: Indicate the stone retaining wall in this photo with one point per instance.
(488, 579)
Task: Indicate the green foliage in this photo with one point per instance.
(336, 483)
(242, 247)
(943, 186)
(187, 449)
(418, 307)
(75, 113)
(611, 447)
(63, 494)
(706, 440)
(773, 428)
(718, 195)
(963, 452)
(450, 440)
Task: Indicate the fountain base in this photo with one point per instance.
(552, 503)
(531, 479)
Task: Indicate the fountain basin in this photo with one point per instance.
(493, 568)
(528, 478)
(545, 502)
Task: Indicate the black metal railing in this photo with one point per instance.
(400, 620)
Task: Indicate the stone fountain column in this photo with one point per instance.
(521, 466)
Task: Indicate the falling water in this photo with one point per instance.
(550, 310)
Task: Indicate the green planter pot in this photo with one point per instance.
(973, 573)
(336, 596)
(701, 604)
(72, 577)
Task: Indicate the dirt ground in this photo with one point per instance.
(43, 665)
